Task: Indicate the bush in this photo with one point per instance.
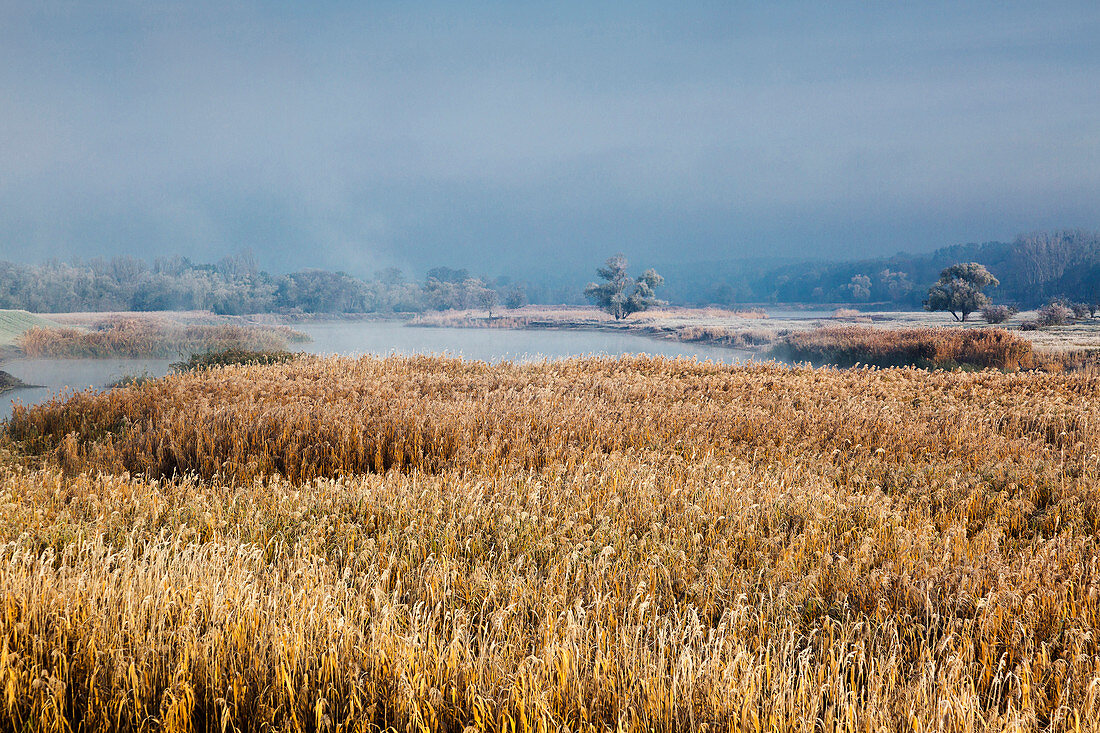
(1080, 310)
(1054, 313)
(227, 357)
(997, 313)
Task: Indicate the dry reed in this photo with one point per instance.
(597, 544)
(927, 347)
(140, 338)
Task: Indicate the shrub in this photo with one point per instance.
(994, 314)
(226, 357)
(1080, 310)
(1054, 313)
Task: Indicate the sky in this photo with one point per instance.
(512, 137)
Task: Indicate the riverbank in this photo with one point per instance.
(838, 338)
(8, 382)
(777, 333)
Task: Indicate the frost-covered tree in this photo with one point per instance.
(959, 290)
(619, 294)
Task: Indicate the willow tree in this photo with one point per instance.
(959, 290)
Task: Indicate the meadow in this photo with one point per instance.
(425, 543)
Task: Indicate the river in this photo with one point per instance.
(353, 338)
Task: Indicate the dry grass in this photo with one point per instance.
(738, 338)
(636, 544)
(146, 338)
(540, 316)
(926, 347)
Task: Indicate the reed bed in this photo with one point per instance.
(739, 338)
(597, 544)
(147, 339)
(846, 346)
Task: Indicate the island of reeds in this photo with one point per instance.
(151, 338)
(594, 544)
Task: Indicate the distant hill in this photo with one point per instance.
(1032, 269)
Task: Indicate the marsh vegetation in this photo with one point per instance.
(142, 338)
(635, 543)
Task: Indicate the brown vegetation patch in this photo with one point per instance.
(143, 338)
(7, 382)
(738, 338)
(644, 544)
(925, 347)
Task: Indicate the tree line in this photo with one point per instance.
(236, 285)
(1033, 269)
(1038, 268)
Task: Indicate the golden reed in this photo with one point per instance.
(596, 544)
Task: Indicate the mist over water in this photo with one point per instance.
(58, 376)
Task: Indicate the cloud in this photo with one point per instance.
(494, 135)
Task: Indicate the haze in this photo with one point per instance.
(507, 138)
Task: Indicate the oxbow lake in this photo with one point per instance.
(356, 338)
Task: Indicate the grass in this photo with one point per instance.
(596, 544)
(739, 338)
(144, 338)
(565, 317)
(14, 322)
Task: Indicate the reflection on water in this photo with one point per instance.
(356, 338)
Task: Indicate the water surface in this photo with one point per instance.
(496, 344)
(354, 338)
(55, 376)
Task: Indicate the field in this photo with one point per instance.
(597, 544)
(13, 323)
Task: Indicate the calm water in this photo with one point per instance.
(58, 375)
(495, 345)
(357, 338)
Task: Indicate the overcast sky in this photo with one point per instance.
(501, 136)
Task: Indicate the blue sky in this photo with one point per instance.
(509, 137)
